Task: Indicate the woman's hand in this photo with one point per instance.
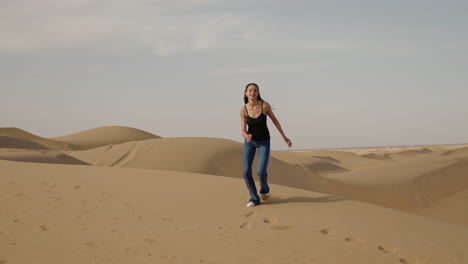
(248, 138)
(288, 141)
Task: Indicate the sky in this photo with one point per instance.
(338, 74)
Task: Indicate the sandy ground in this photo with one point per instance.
(122, 195)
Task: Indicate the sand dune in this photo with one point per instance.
(376, 156)
(200, 155)
(18, 143)
(345, 159)
(414, 152)
(316, 164)
(21, 134)
(146, 199)
(456, 151)
(103, 136)
(20, 149)
(41, 156)
(380, 181)
(90, 214)
(414, 185)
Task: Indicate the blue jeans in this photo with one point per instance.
(247, 160)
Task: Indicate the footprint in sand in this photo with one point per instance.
(167, 220)
(3, 261)
(116, 232)
(20, 194)
(227, 235)
(410, 261)
(41, 228)
(387, 249)
(91, 245)
(274, 220)
(270, 220)
(223, 234)
(282, 227)
(206, 261)
(170, 259)
(149, 240)
(247, 225)
(355, 240)
(248, 214)
(55, 198)
(328, 231)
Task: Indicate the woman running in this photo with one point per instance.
(254, 114)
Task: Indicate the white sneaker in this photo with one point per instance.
(251, 204)
(265, 196)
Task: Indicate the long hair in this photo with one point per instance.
(246, 99)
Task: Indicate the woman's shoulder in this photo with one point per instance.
(243, 110)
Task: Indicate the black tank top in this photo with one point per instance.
(258, 126)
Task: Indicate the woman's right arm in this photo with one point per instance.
(243, 115)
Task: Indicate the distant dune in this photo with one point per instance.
(316, 164)
(103, 136)
(40, 156)
(21, 134)
(19, 143)
(376, 156)
(22, 149)
(456, 151)
(414, 152)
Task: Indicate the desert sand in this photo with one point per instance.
(122, 195)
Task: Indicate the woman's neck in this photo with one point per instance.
(253, 103)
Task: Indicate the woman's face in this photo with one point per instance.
(252, 92)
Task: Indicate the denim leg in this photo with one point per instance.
(263, 158)
(247, 160)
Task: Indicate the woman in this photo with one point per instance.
(254, 114)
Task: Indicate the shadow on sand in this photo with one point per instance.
(301, 199)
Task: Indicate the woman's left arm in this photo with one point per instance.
(275, 121)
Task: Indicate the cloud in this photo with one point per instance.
(165, 27)
(264, 69)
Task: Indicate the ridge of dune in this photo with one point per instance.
(419, 185)
(346, 159)
(455, 151)
(452, 178)
(102, 136)
(414, 152)
(316, 164)
(21, 134)
(199, 155)
(92, 214)
(376, 156)
(21, 149)
(39, 156)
